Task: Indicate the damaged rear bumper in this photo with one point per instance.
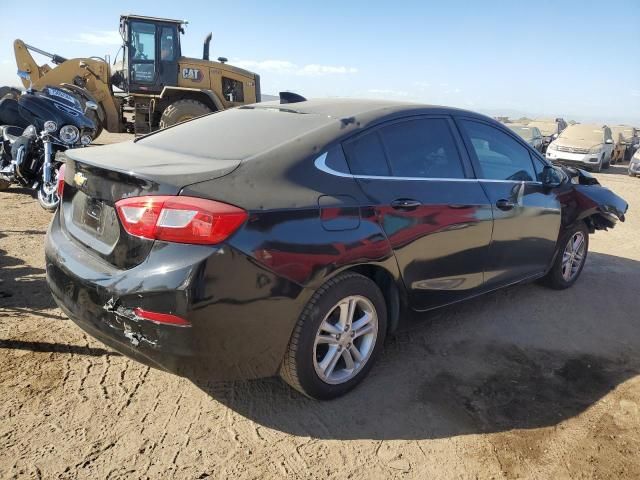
(234, 332)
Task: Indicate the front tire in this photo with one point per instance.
(181, 111)
(598, 167)
(48, 197)
(570, 259)
(337, 338)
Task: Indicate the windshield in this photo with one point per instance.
(626, 132)
(592, 133)
(547, 128)
(524, 132)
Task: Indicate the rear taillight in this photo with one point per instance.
(179, 219)
(60, 181)
(161, 318)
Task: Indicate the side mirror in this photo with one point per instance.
(550, 177)
(89, 105)
(608, 141)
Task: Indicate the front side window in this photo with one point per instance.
(422, 148)
(142, 52)
(500, 156)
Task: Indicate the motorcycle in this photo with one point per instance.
(32, 156)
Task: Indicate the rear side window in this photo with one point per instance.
(422, 148)
(366, 156)
(500, 156)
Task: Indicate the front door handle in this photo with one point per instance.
(504, 204)
(405, 204)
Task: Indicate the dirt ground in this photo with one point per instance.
(523, 383)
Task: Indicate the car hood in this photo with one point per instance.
(575, 143)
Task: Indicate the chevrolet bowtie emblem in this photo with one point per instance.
(79, 179)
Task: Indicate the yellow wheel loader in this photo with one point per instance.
(153, 86)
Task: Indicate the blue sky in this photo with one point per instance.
(577, 59)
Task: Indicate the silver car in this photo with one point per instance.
(531, 135)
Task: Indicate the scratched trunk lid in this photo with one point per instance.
(96, 178)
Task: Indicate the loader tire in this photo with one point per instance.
(181, 111)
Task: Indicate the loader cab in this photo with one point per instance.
(151, 52)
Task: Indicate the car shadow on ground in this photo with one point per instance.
(521, 358)
(23, 289)
(617, 169)
(56, 348)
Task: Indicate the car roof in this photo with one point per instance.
(349, 107)
(255, 131)
(152, 19)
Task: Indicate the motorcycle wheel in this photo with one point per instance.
(48, 197)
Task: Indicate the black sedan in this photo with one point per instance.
(289, 238)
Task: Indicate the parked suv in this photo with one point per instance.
(550, 130)
(585, 145)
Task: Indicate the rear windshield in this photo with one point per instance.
(583, 132)
(524, 132)
(625, 132)
(235, 134)
(547, 128)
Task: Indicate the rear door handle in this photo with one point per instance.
(405, 204)
(504, 204)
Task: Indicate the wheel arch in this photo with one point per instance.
(208, 97)
(390, 286)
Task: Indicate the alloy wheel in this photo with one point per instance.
(573, 256)
(345, 340)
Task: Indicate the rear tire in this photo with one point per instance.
(181, 111)
(565, 271)
(325, 359)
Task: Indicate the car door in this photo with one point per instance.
(526, 215)
(609, 143)
(537, 139)
(436, 217)
(142, 56)
(169, 53)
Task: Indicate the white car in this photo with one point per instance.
(634, 165)
(583, 145)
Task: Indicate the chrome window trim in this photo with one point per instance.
(321, 164)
